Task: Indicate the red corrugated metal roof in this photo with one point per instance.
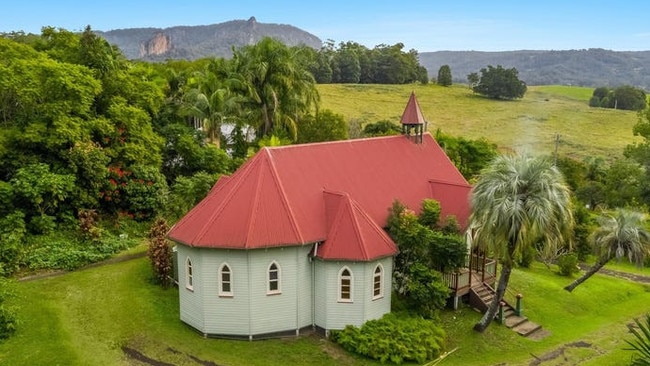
(412, 114)
(276, 198)
(352, 234)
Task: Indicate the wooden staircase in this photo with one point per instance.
(480, 297)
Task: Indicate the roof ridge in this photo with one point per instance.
(373, 225)
(231, 193)
(283, 196)
(348, 202)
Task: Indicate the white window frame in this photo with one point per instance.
(189, 274)
(376, 281)
(222, 292)
(277, 280)
(350, 279)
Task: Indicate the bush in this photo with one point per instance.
(394, 339)
(568, 264)
(65, 253)
(12, 235)
(430, 214)
(8, 319)
(159, 252)
(526, 257)
(425, 291)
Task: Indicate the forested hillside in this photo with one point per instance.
(590, 67)
(586, 67)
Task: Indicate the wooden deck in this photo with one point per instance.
(479, 271)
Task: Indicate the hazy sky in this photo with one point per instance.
(424, 25)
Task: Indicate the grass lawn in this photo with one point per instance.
(86, 317)
(529, 124)
(595, 313)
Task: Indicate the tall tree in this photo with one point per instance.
(473, 79)
(212, 100)
(518, 201)
(500, 83)
(444, 75)
(280, 88)
(620, 234)
(640, 151)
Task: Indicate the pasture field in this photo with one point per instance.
(529, 124)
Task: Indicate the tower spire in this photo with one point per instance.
(413, 123)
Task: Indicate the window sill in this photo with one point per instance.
(227, 296)
(377, 297)
(190, 289)
(273, 293)
(345, 301)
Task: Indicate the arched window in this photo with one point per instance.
(378, 282)
(189, 280)
(225, 280)
(274, 279)
(345, 285)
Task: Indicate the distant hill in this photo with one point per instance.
(591, 67)
(192, 42)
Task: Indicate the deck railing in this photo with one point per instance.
(458, 281)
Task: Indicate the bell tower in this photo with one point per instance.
(413, 123)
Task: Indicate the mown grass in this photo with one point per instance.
(86, 317)
(596, 313)
(529, 124)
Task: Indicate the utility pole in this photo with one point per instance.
(557, 142)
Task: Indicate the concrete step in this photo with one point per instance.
(526, 328)
(513, 320)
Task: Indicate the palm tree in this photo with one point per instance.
(619, 234)
(642, 342)
(518, 201)
(212, 100)
(280, 87)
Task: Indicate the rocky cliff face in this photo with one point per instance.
(192, 42)
(159, 44)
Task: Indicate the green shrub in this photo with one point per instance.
(8, 319)
(43, 224)
(65, 253)
(12, 235)
(527, 257)
(394, 338)
(568, 264)
(451, 226)
(430, 215)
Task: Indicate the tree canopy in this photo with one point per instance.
(444, 76)
(500, 83)
(518, 201)
(624, 97)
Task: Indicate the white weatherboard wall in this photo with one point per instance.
(290, 309)
(191, 302)
(250, 310)
(330, 313)
(225, 315)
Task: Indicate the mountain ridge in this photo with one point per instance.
(586, 67)
(193, 42)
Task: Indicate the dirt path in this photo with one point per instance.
(610, 272)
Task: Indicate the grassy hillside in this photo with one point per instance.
(529, 124)
(92, 316)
